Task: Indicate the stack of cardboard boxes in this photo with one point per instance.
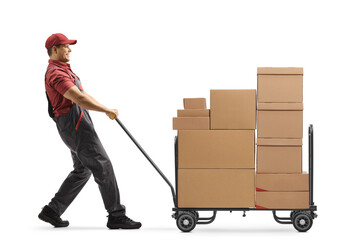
(216, 166)
(216, 147)
(280, 183)
(194, 116)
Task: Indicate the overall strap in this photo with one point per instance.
(77, 82)
(50, 107)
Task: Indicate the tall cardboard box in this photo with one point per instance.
(283, 120)
(279, 155)
(216, 188)
(216, 149)
(233, 109)
(280, 85)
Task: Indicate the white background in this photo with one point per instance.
(144, 57)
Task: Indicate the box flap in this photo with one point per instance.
(280, 106)
(279, 142)
(280, 71)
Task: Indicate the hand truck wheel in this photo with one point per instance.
(186, 221)
(302, 221)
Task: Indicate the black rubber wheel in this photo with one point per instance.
(302, 221)
(186, 221)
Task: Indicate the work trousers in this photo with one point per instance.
(89, 157)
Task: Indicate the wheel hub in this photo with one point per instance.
(186, 222)
(302, 222)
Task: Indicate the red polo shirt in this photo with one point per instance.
(57, 81)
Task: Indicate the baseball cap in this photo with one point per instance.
(58, 38)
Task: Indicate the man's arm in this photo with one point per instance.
(90, 97)
(86, 101)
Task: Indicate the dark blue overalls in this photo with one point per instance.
(77, 131)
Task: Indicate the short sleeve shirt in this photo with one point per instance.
(57, 81)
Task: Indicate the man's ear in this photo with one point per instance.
(54, 50)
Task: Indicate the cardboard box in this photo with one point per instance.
(282, 200)
(279, 156)
(191, 123)
(233, 109)
(216, 188)
(193, 113)
(282, 182)
(194, 103)
(283, 120)
(216, 149)
(280, 84)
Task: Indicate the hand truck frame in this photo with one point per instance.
(187, 218)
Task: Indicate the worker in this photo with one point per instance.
(68, 105)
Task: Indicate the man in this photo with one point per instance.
(68, 107)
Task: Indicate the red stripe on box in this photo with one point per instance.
(260, 207)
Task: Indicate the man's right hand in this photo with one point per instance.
(112, 113)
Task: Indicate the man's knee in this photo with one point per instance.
(83, 173)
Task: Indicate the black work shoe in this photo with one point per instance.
(50, 216)
(123, 222)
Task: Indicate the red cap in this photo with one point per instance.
(56, 39)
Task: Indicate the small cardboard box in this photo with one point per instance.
(282, 200)
(280, 120)
(280, 84)
(193, 113)
(194, 103)
(279, 156)
(282, 182)
(216, 188)
(233, 109)
(216, 149)
(191, 123)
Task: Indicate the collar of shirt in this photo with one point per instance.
(60, 64)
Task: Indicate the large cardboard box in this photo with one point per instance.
(280, 84)
(216, 188)
(191, 123)
(279, 155)
(193, 113)
(277, 120)
(216, 149)
(233, 109)
(282, 200)
(194, 103)
(282, 182)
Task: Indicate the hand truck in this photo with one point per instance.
(187, 218)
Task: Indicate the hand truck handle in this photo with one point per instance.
(149, 159)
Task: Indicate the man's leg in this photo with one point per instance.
(92, 154)
(71, 187)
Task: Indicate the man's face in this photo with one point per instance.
(63, 53)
